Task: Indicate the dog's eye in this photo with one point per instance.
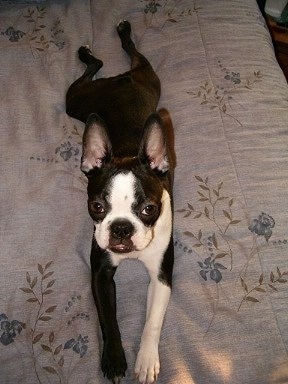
(149, 210)
(97, 208)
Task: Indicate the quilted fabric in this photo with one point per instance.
(227, 317)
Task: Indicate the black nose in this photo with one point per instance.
(121, 229)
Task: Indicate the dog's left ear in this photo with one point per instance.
(96, 144)
(153, 149)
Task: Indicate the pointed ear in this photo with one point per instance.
(96, 146)
(153, 149)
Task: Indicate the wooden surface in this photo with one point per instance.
(280, 39)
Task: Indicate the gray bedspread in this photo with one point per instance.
(227, 321)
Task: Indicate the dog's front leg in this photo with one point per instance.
(113, 362)
(147, 364)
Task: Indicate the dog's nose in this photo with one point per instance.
(121, 229)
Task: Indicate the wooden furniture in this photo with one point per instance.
(280, 39)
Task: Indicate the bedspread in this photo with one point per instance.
(227, 318)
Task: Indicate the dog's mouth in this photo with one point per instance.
(121, 245)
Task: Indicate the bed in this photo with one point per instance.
(227, 318)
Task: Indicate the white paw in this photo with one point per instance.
(147, 365)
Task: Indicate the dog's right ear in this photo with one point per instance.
(96, 146)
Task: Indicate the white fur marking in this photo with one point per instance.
(152, 244)
(121, 199)
(147, 365)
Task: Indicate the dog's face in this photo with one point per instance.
(125, 195)
(124, 211)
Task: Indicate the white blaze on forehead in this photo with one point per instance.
(121, 199)
(122, 194)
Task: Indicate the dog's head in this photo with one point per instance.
(127, 196)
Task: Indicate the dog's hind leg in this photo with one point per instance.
(93, 64)
(124, 32)
(141, 70)
(75, 91)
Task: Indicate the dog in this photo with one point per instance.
(128, 158)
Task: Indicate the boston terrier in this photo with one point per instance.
(128, 158)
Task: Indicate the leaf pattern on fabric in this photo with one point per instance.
(262, 286)
(215, 210)
(236, 277)
(34, 28)
(219, 97)
(218, 210)
(66, 155)
(38, 288)
(166, 12)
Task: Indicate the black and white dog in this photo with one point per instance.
(128, 158)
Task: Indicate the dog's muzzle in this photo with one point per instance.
(121, 231)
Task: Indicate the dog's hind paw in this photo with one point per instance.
(83, 51)
(124, 27)
(86, 46)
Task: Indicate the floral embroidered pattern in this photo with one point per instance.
(262, 286)
(67, 150)
(263, 226)
(9, 329)
(217, 210)
(235, 77)
(221, 96)
(151, 7)
(66, 154)
(38, 289)
(216, 245)
(79, 345)
(213, 268)
(169, 11)
(13, 34)
(34, 29)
